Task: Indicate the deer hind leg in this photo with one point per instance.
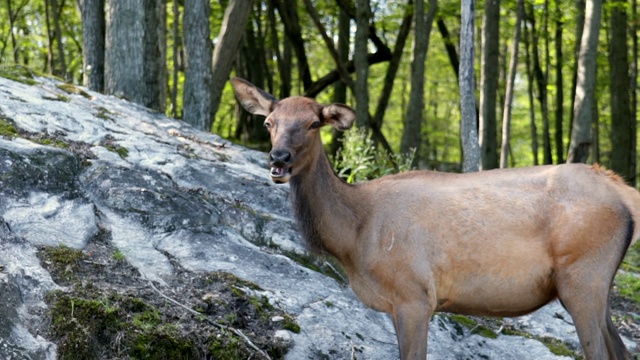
(583, 287)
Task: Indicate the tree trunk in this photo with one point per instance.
(197, 83)
(489, 84)
(361, 64)
(585, 88)
(225, 51)
(61, 57)
(412, 132)
(394, 64)
(14, 43)
(93, 33)
(580, 8)
(452, 54)
(49, 64)
(283, 59)
(288, 10)
(634, 88)
(176, 60)
(155, 55)
(134, 60)
(468, 128)
(559, 132)
(541, 81)
(622, 124)
(532, 113)
(508, 98)
(340, 88)
(123, 58)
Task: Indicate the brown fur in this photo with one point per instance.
(499, 242)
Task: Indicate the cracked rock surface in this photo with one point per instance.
(173, 201)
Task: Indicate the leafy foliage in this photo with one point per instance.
(359, 159)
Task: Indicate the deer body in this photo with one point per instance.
(499, 243)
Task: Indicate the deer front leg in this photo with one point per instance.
(412, 329)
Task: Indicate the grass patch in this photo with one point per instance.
(310, 263)
(473, 326)
(72, 89)
(123, 152)
(556, 346)
(64, 262)
(18, 73)
(7, 129)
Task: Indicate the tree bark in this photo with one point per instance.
(225, 51)
(394, 64)
(283, 64)
(541, 81)
(361, 63)
(559, 113)
(580, 8)
(412, 132)
(489, 84)
(583, 108)
(622, 124)
(532, 114)
(176, 60)
(340, 88)
(134, 62)
(14, 43)
(197, 46)
(513, 64)
(468, 128)
(288, 10)
(58, 31)
(93, 42)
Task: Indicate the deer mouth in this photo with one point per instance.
(280, 174)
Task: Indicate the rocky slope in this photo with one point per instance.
(125, 233)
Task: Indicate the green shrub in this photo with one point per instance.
(359, 159)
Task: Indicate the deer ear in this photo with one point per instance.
(252, 98)
(339, 116)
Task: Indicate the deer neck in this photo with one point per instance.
(326, 208)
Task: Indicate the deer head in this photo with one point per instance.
(293, 124)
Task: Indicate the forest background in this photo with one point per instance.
(553, 80)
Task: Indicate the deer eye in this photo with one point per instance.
(267, 125)
(315, 125)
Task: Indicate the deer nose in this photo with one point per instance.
(280, 157)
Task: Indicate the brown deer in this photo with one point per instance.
(496, 243)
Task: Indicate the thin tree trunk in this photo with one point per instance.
(583, 108)
(450, 47)
(394, 64)
(61, 57)
(580, 8)
(197, 103)
(288, 10)
(621, 120)
(14, 43)
(470, 146)
(49, 65)
(176, 59)
(508, 98)
(532, 113)
(225, 51)
(93, 43)
(340, 88)
(559, 132)
(489, 84)
(361, 64)
(284, 67)
(412, 132)
(633, 90)
(541, 81)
